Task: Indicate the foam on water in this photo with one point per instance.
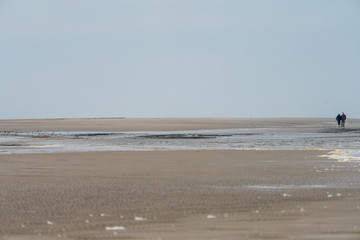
(344, 155)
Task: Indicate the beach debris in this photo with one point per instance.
(329, 195)
(87, 221)
(50, 222)
(338, 194)
(211, 216)
(104, 215)
(302, 209)
(23, 225)
(90, 215)
(115, 228)
(140, 219)
(286, 195)
(257, 211)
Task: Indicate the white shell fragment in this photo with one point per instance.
(114, 228)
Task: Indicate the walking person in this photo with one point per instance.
(343, 118)
(338, 119)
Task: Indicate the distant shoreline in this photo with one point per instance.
(85, 118)
(158, 124)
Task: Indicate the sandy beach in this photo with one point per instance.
(151, 124)
(244, 194)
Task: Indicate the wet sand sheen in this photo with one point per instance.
(179, 195)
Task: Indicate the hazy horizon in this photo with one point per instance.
(64, 118)
(172, 58)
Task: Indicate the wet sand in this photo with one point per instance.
(179, 195)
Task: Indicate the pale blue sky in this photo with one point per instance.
(179, 58)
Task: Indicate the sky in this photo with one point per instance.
(179, 58)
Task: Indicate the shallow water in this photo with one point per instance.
(343, 145)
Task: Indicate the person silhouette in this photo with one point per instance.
(338, 119)
(343, 118)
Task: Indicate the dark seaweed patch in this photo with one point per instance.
(193, 136)
(94, 134)
(10, 145)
